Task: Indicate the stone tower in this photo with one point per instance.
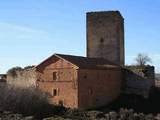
(105, 36)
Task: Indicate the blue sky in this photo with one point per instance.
(31, 30)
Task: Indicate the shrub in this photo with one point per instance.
(13, 70)
(27, 101)
(29, 67)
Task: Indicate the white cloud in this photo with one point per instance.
(155, 57)
(18, 27)
(10, 32)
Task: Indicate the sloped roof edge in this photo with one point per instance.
(84, 62)
(55, 54)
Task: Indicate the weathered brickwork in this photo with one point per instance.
(98, 87)
(105, 36)
(78, 87)
(95, 80)
(65, 84)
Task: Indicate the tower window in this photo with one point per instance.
(101, 40)
(85, 76)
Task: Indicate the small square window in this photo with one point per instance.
(54, 75)
(60, 103)
(55, 92)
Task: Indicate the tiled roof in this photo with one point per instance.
(85, 62)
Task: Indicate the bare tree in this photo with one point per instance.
(142, 59)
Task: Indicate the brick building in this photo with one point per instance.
(79, 82)
(99, 78)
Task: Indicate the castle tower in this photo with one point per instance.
(105, 36)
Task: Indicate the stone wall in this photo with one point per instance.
(97, 88)
(138, 80)
(23, 78)
(105, 36)
(157, 83)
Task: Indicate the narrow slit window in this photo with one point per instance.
(101, 40)
(90, 91)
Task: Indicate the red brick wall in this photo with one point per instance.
(98, 87)
(66, 93)
(79, 88)
(65, 83)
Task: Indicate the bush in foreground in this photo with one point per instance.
(122, 114)
(27, 101)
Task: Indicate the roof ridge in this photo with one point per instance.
(83, 62)
(69, 55)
